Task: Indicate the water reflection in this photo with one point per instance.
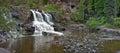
(41, 43)
(100, 43)
(30, 44)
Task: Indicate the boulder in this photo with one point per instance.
(20, 12)
(59, 28)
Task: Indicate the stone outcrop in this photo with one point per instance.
(109, 31)
(4, 36)
(21, 12)
(68, 6)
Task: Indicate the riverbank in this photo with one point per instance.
(80, 38)
(76, 39)
(4, 36)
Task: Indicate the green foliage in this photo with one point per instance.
(51, 8)
(81, 9)
(110, 8)
(94, 23)
(6, 24)
(76, 17)
(63, 22)
(45, 1)
(20, 2)
(117, 22)
(2, 2)
(99, 5)
(33, 4)
(109, 25)
(90, 5)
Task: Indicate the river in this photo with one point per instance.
(89, 42)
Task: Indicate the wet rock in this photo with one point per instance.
(30, 30)
(76, 27)
(4, 36)
(108, 31)
(59, 28)
(79, 44)
(2, 50)
(15, 14)
(86, 45)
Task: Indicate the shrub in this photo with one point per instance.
(117, 22)
(63, 22)
(33, 4)
(51, 7)
(94, 23)
(76, 17)
(6, 24)
(45, 1)
(109, 25)
(114, 24)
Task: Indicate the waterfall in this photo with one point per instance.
(48, 18)
(42, 25)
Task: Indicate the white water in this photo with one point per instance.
(40, 24)
(48, 18)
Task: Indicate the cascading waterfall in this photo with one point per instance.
(41, 25)
(48, 18)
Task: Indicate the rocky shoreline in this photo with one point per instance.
(4, 36)
(2, 50)
(82, 41)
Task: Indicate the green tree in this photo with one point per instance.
(81, 10)
(110, 9)
(6, 24)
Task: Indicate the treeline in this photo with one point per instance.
(93, 13)
(100, 12)
(99, 8)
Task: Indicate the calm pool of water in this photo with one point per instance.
(43, 44)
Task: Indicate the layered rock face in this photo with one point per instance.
(21, 13)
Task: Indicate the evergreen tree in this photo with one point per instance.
(118, 7)
(110, 8)
(99, 6)
(81, 9)
(95, 8)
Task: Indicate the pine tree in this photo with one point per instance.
(110, 10)
(95, 8)
(118, 7)
(81, 9)
(99, 6)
